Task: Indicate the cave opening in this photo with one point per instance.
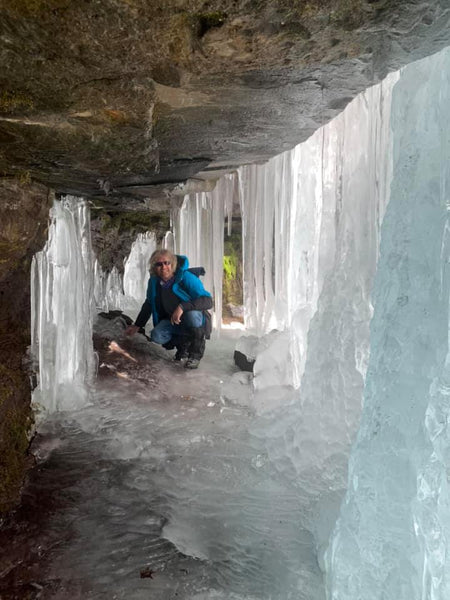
(229, 484)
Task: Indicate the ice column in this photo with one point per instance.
(108, 289)
(127, 293)
(392, 539)
(199, 233)
(311, 220)
(62, 308)
(136, 270)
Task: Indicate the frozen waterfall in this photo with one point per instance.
(136, 268)
(112, 291)
(311, 228)
(62, 309)
(311, 225)
(198, 233)
(246, 476)
(392, 539)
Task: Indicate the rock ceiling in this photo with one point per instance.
(128, 99)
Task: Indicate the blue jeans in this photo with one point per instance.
(165, 331)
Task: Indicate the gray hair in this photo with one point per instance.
(157, 255)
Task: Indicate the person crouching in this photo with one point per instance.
(178, 303)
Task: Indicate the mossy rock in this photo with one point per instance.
(209, 20)
(134, 222)
(113, 233)
(16, 424)
(33, 7)
(12, 101)
(232, 269)
(348, 14)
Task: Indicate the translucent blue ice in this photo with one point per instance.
(392, 539)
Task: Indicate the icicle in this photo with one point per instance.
(127, 293)
(114, 296)
(229, 199)
(199, 232)
(136, 271)
(311, 220)
(62, 308)
(169, 241)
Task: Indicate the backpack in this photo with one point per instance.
(200, 271)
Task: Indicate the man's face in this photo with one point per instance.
(163, 267)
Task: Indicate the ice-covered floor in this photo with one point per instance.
(163, 474)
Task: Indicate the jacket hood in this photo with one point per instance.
(182, 265)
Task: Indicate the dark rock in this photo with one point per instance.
(147, 573)
(125, 97)
(113, 314)
(114, 231)
(241, 361)
(23, 227)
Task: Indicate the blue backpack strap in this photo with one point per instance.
(199, 271)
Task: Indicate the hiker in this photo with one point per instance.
(179, 305)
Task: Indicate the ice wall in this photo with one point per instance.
(392, 540)
(311, 223)
(136, 269)
(127, 293)
(197, 232)
(108, 288)
(62, 308)
(198, 228)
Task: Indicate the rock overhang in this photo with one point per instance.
(119, 100)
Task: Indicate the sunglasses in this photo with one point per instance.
(163, 263)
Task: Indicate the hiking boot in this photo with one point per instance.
(182, 345)
(192, 363)
(181, 354)
(170, 345)
(197, 342)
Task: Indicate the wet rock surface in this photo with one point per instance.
(75, 534)
(60, 459)
(22, 233)
(163, 490)
(120, 356)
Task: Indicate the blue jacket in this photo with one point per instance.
(186, 286)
